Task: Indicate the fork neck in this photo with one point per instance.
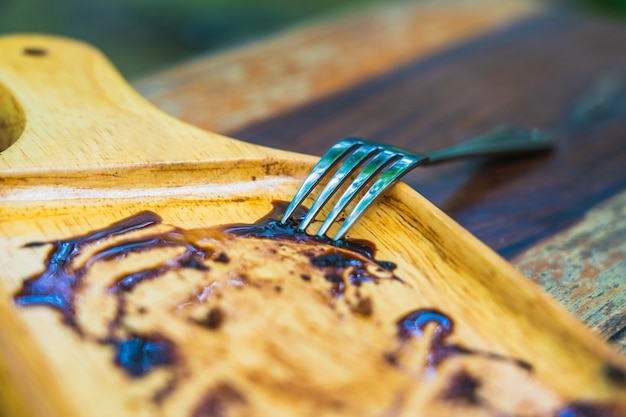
(503, 141)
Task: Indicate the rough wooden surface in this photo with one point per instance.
(252, 83)
(584, 267)
(109, 309)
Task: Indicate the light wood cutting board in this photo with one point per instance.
(122, 292)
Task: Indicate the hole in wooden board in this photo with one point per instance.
(12, 119)
(35, 51)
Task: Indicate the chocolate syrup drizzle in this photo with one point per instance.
(343, 263)
(139, 354)
(270, 227)
(346, 256)
(414, 323)
(57, 286)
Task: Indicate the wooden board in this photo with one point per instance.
(454, 330)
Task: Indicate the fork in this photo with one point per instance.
(382, 165)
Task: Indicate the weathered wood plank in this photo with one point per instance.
(229, 90)
(585, 269)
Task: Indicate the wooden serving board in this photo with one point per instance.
(123, 292)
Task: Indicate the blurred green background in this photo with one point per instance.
(615, 8)
(141, 36)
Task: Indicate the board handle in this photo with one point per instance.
(64, 106)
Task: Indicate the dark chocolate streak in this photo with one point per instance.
(213, 319)
(270, 227)
(56, 286)
(615, 374)
(462, 388)
(414, 323)
(139, 354)
(585, 409)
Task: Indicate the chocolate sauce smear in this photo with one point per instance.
(63, 276)
(586, 409)
(337, 266)
(192, 258)
(463, 388)
(213, 320)
(56, 286)
(270, 227)
(345, 264)
(414, 323)
(615, 374)
(138, 355)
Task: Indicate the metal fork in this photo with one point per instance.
(392, 163)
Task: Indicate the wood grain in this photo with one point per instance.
(140, 136)
(226, 91)
(134, 334)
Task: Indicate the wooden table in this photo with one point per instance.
(427, 74)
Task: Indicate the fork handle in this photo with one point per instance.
(501, 141)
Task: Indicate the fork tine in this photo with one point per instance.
(339, 177)
(329, 159)
(370, 170)
(397, 170)
(392, 163)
